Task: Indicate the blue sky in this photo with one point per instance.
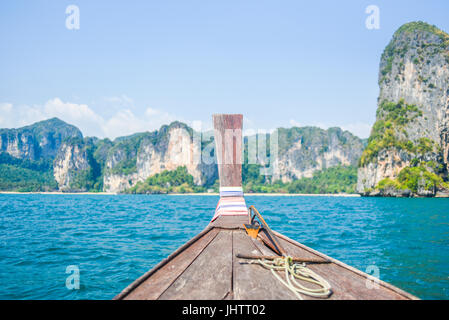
(134, 65)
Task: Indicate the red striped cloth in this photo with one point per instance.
(230, 206)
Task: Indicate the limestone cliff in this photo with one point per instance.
(407, 152)
(40, 140)
(143, 155)
(70, 164)
(302, 151)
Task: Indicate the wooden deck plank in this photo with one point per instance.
(251, 281)
(158, 282)
(209, 276)
(346, 284)
(230, 222)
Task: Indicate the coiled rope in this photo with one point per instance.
(295, 271)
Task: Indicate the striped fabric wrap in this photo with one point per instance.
(231, 192)
(231, 203)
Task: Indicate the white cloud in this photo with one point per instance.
(121, 122)
(125, 122)
(79, 115)
(5, 107)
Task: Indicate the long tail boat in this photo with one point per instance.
(237, 255)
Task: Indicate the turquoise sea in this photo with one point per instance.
(112, 240)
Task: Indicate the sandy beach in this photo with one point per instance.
(62, 193)
(271, 194)
(193, 194)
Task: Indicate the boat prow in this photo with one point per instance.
(210, 265)
(206, 267)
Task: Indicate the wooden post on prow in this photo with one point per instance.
(228, 148)
(228, 151)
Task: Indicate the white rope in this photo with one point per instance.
(295, 271)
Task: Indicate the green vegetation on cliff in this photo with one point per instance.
(413, 179)
(387, 133)
(176, 181)
(127, 149)
(84, 180)
(392, 117)
(14, 178)
(413, 27)
(398, 47)
(338, 179)
(310, 137)
(26, 175)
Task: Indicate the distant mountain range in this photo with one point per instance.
(53, 155)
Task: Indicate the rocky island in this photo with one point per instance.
(407, 151)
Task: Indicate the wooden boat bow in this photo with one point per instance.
(207, 266)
